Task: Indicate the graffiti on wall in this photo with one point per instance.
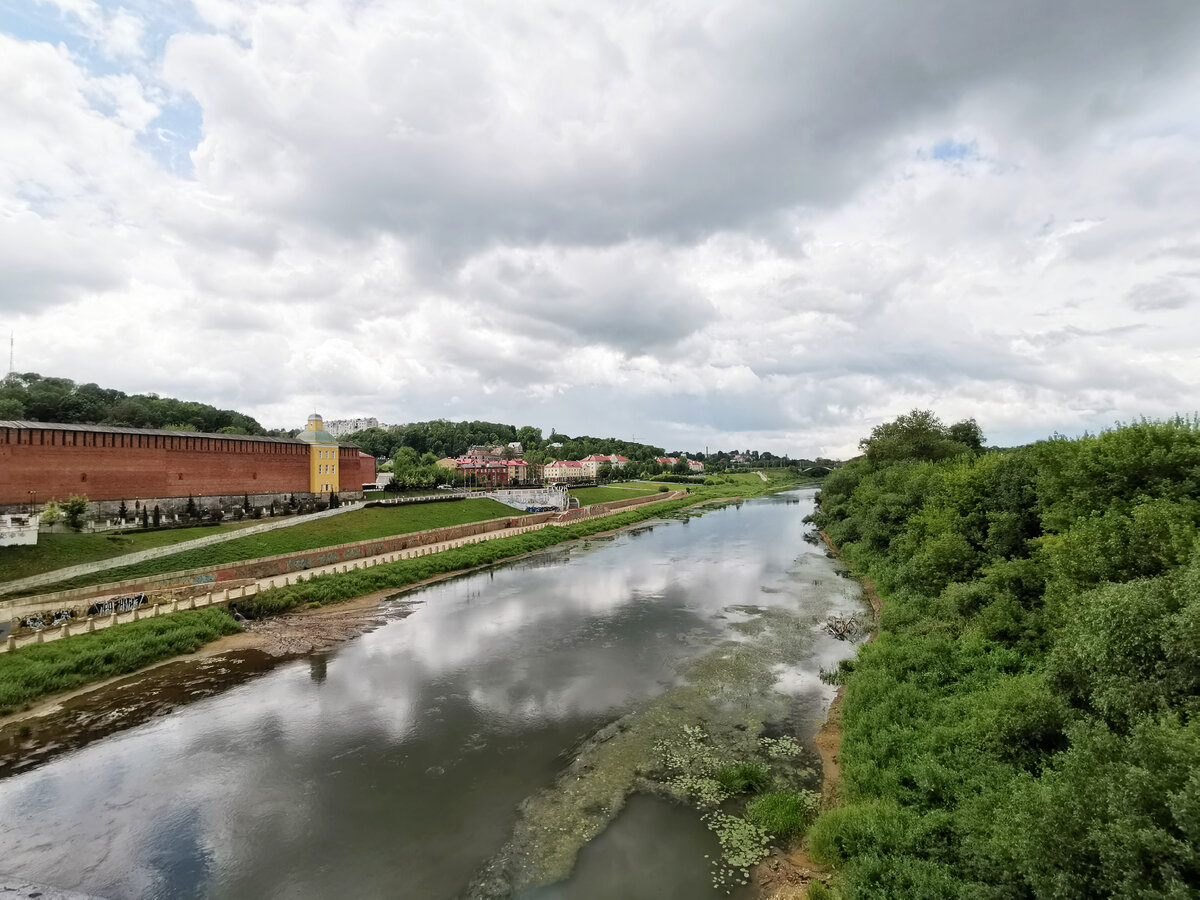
(117, 605)
(42, 620)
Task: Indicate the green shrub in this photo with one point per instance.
(744, 776)
(1025, 723)
(786, 814)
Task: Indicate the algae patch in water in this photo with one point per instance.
(728, 692)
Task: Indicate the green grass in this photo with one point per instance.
(360, 525)
(590, 495)
(57, 551)
(39, 669)
(748, 775)
(783, 813)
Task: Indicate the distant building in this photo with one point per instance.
(479, 472)
(564, 470)
(343, 427)
(520, 472)
(695, 465)
(592, 464)
(484, 451)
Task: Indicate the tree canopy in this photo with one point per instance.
(42, 399)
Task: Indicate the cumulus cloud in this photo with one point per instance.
(722, 224)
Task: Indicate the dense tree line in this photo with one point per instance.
(443, 438)
(33, 397)
(1026, 723)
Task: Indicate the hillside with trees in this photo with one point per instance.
(1027, 722)
(42, 399)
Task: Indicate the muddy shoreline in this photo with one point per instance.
(786, 875)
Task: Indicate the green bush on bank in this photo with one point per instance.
(1026, 723)
(39, 669)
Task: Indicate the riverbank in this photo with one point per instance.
(787, 875)
(292, 621)
(478, 700)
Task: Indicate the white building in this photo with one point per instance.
(343, 427)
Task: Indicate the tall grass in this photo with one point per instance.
(39, 669)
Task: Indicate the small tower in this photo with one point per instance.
(323, 463)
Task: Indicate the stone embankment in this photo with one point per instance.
(249, 578)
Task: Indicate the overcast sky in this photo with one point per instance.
(751, 224)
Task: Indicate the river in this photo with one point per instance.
(420, 759)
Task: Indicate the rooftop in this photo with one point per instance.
(22, 424)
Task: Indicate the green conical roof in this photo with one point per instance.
(316, 437)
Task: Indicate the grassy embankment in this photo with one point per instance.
(57, 551)
(590, 495)
(360, 525)
(73, 661)
(342, 586)
(1027, 722)
(41, 669)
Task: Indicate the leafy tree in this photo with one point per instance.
(45, 399)
(968, 433)
(73, 509)
(919, 435)
(334, 501)
(190, 511)
(51, 513)
(530, 438)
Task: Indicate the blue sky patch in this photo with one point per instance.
(950, 150)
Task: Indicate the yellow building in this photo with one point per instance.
(322, 456)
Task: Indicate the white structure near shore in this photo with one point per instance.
(17, 530)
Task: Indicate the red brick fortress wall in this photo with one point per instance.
(354, 469)
(57, 462)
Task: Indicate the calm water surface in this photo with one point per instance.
(394, 766)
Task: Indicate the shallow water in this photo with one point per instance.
(395, 766)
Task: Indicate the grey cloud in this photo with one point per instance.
(628, 299)
(1164, 293)
(718, 120)
(42, 268)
